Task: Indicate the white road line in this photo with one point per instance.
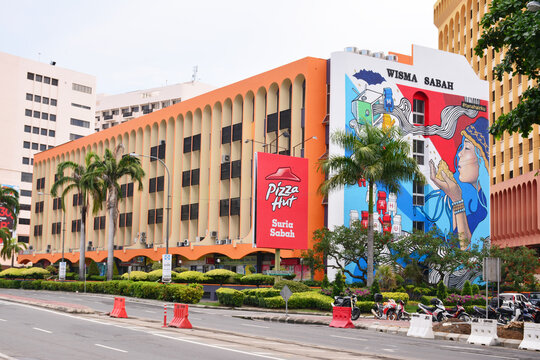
(194, 318)
(257, 326)
(45, 331)
(220, 347)
(348, 337)
(111, 348)
(3, 320)
(151, 312)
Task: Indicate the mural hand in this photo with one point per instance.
(433, 176)
(452, 189)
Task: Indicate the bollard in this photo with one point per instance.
(164, 315)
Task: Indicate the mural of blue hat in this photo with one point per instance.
(478, 134)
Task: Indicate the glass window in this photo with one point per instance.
(37, 114)
(52, 133)
(54, 82)
(27, 128)
(45, 100)
(418, 193)
(44, 132)
(28, 112)
(52, 117)
(42, 147)
(39, 78)
(37, 98)
(47, 80)
(81, 123)
(418, 225)
(53, 102)
(30, 76)
(35, 130)
(418, 112)
(44, 116)
(29, 96)
(26, 161)
(26, 144)
(418, 151)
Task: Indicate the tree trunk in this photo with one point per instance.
(112, 205)
(82, 245)
(370, 236)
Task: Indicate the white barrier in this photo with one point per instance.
(421, 326)
(483, 332)
(531, 336)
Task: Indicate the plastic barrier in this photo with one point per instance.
(180, 318)
(483, 332)
(341, 317)
(421, 326)
(531, 336)
(119, 309)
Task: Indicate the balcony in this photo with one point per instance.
(107, 117)
(147, 111)
(127, 114)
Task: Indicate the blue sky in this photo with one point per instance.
(130, 45)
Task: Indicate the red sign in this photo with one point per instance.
(6, 218)
(281, 201)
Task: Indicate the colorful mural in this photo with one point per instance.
(450, 140)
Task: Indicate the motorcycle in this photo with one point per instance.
(480, 313)
(390, 310)
(458, 312)
(437, 311)
(348, 301)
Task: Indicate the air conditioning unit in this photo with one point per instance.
(218, 242)
(143, 237)
(225, 158)
(228, 241)
(365, 52)
(213, 234)
(30, 247)
(378, 55)
(199, 238)
(186, 242)
(90, 244)
(149, 246)
(179, 243)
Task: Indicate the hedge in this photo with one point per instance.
(222, 276)
(396, 296)
(191, 277)
(257, 279)
(310, 300)
(294, 286)
(230, 297)
(252, 296)
(365, 306)
(156, 275)
(135, 276)
(25, 273)
(453, 299)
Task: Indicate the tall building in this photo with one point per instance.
(112, 110)
(209, 145)
(515, 161)
(43, 106)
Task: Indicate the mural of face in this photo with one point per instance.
(468, 163)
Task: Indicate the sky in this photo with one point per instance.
(134, 44)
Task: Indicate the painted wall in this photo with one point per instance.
(453, 142)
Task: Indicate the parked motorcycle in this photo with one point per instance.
(458, 312)
(437, 310)
(480, 313)
(390, 310)
(348, 301)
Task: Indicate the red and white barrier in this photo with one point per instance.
(341, 317)
(119, 309)
(180, 319)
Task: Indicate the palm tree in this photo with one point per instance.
(11, 246)
(378, 156)
(111, 171)
(87, 183)
(9, 198)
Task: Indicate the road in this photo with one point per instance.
(217, 332)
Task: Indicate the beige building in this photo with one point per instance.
(43, 106)
(514, 161)
(112, 110)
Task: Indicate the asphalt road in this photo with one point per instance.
(279, 339)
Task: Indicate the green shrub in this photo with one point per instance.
(294, 286)
(257, 279)
(442, 293)
(467, 289)
(156, 275)
(221, 276)
(310, 300)
(191, 277)
(96, 278)
(31, 285)
(425, 299)
(275, 302)
(71, 276)
(230, 297)
(93, 269)
(35, 273)
(52, 269)
(375, 289)
(156, 265)
(365, 306)
(12, 273)
(475, 289)
(396, 296)
(325, 283)
(186, 294)
(135, 276)
(10, 284)
(180, 269)
(338, 285)
(312, 283)
(146, 290)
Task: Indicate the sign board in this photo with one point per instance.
(62, 271)
(277, 273)
(166, 262)
(285, 293)
(491, 269)
(281, 201)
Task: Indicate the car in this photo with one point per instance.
(514, 297)
(534, 298)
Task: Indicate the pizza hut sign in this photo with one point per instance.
(281, 201)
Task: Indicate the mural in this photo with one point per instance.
(449, 138)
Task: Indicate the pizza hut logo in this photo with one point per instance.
(283, 194)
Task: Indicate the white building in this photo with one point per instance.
(42, 106)
(112, 110)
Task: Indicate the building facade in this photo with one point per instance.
(43, 106)
(112, 110)
(515, 161)
(441, 107)
(207, 144)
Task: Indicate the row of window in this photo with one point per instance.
(41, 99)
(156, 184)
(56, 228)
(81, 123)
(229, 207)
(41, 78)
(40, 183)
(82, 88)
(36, 130)
(281, 120)
(99, 222)
(81, 106)
(39, 115)
(190, 177)
(36, 146)
(157, 151)
(39, 207)
(233, 132)
(27, 161)
(192, 143)
(189, 212)
(231, 170)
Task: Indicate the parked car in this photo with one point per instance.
(514, 298)
(534, 298)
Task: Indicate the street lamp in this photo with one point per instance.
(302, 143)
(285, 133)
(63, 224)
(168, 194)
(533, 6)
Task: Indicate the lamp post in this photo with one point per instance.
(63, 225)
(302, 143)
(168, 194)
(285, 133)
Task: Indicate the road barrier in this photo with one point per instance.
(119, 309)
(341, 317)
(421, 326)
(164, 315)
(180, 319)
(483, 332)
(531, 336)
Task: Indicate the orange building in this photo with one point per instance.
(207, 144)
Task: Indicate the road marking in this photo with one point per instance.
(348, 337)
(220, 347)
(149, 311)
(45, 331)
(111, 348)
(194, 318)
(3, 320)
(257, 326)
(389, 350)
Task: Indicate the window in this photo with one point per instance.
(237, 131)
(494, 181)
(52, 117)
(193, 211)
(37, 114)
(56, 228)
(76, 226)
(511, 153)
(99, 222)
(521, 149)
(126, 190)
(272, 122)
(226, 135)
(186, 178)
(39, 78)
(158, 151)
(418, 151)
(418, 112)
(28, 112)
(26, 144)
(225, 171)
(530, 144)
(53, 102)
(29, 96)
(27, 128)
(40, 183)
(74, 136)
(81, 88)
(26, 177)
(502, 157)
(126, 220)
(57, 203)
(160, 183)
(23, 238)
(184, 212)
(24, 221)
(418, 193)
(236, 168)
(511, 174)
(155, 216)
(35, 130)
(81, 123)
(224, 207)
(418, 226)
(42, 147)
(235, 206)
(196, 142)
(78, 106)
(187, 144)
(39, 207)
(45, 100)
(26, 161)
(44, 116)
(195, 176)
(156, 184)
(44, 132)
(47, 80)
(52, 133)
(26, 193)
(30, 76)
(38, 230)
(35, 146)
(37, 98)
(494, 161)
(77, 199)
(54, 82)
